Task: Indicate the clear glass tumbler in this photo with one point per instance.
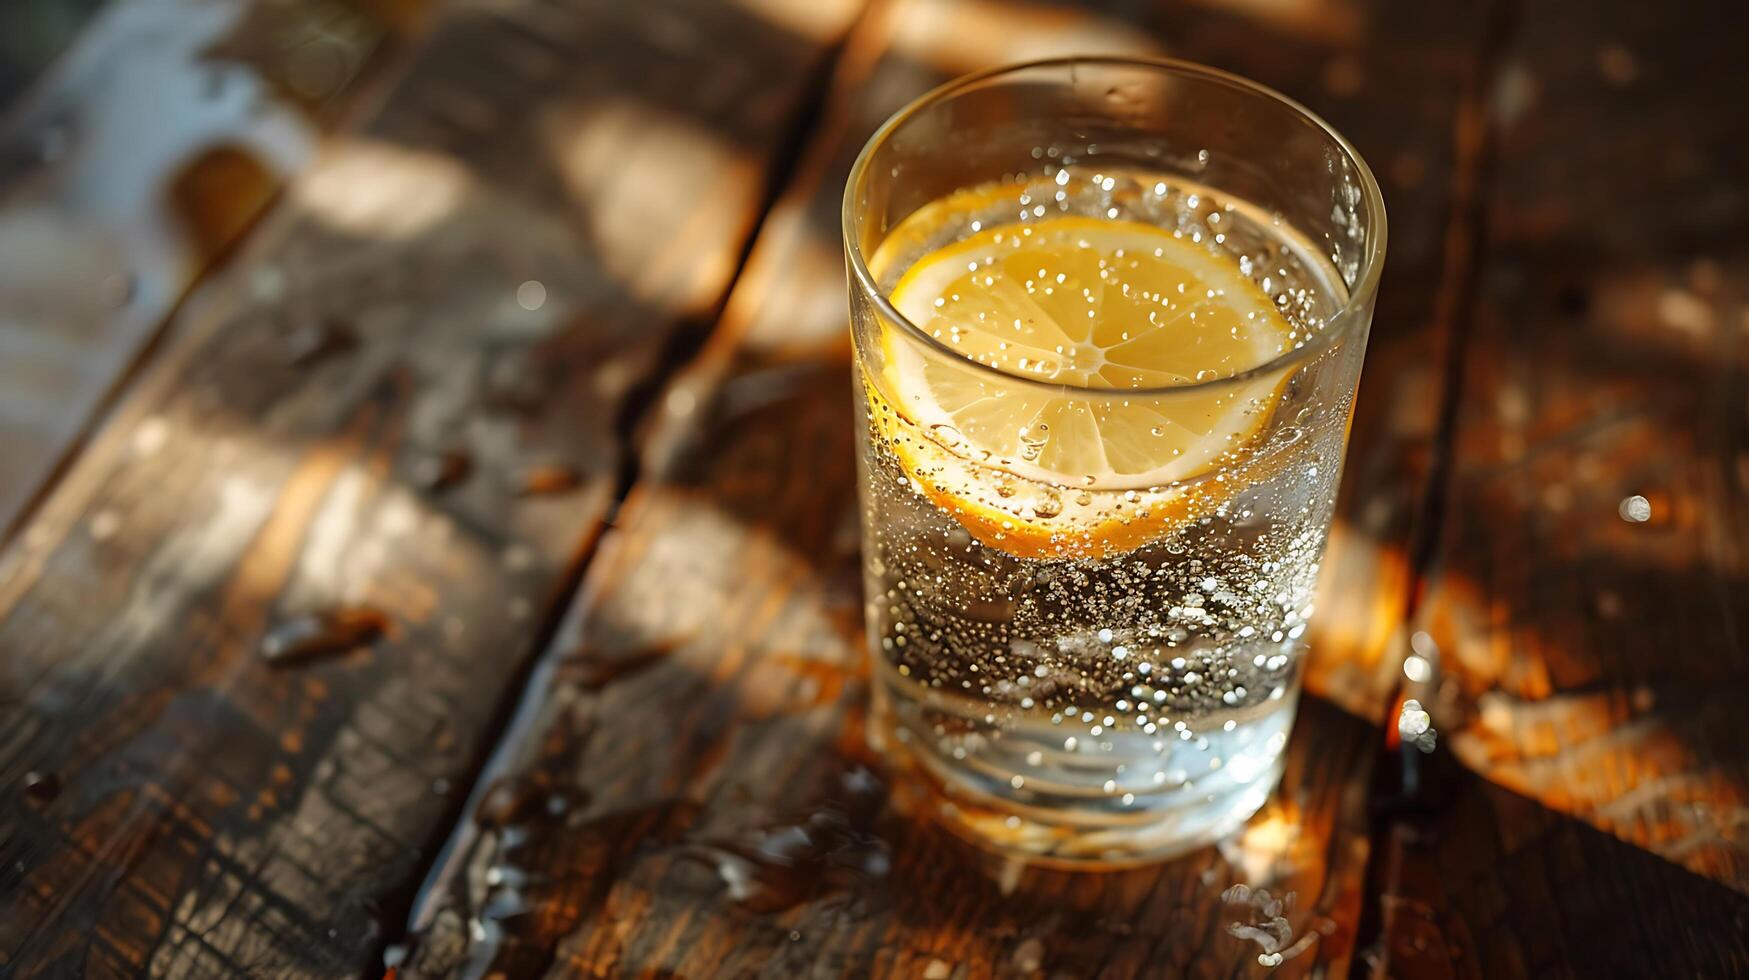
(1109, 316)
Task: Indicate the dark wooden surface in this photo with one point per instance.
(536, 381)
(218, 814)
(1608, 364)
(1595, 664)
(730, 589)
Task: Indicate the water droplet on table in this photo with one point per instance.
(514, 383)
(317, 338)
(834, 848)
(321, 633)
(441, 470)
(536, 479)
(41, 787)
(119, 289)
(1635, 509)
(593, 671)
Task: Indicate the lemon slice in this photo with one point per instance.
(1093, 309)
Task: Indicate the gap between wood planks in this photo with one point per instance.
(682, 348)
(1475, 140)
(1475, 143)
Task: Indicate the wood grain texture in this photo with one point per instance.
(1484, 882)
(686, 790)
(490, 268)
(1588, 596)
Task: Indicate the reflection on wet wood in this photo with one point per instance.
(723, 815)
(170, 801)
(136, 161)
(1586, 599)
(37, 33)
(327, 632)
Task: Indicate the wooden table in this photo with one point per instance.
(518, 431)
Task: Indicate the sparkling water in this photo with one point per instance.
(1106, 706)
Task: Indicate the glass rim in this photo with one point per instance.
(1337, 325)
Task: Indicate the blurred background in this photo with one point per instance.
(427, 520)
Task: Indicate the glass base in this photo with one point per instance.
(1000, 790)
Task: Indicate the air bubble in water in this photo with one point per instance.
(1014, 630)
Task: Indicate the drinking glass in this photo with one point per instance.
(1089, 569)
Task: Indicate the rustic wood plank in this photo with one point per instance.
(1480, 881)
(686, 791)
(133, 165)
(487, 272)
(1587, 602)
